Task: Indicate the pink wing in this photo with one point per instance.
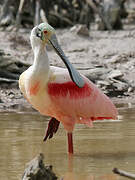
(82, 104)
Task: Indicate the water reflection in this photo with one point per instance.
(97, 150)
(73, 176)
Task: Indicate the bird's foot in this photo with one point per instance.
(53, 126)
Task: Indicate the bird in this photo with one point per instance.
(63, 94)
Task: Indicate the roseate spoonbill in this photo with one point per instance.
(63, 94)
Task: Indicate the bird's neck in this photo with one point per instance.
(41, 62)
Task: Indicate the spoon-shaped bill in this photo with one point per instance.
(74, 74)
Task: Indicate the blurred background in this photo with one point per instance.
(108, 14)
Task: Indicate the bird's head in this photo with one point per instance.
(41, 34)
(45, 34)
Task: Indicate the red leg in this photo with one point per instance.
(70, 143)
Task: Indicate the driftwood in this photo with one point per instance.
(10, 69)
(36, 170)
(124, 173)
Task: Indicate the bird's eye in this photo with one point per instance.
(45, 32)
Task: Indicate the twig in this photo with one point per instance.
(18, 16)
(4, 10)
(37, 13)
(124, 173)
(43, 15)
(62, 18)
(99, 9)
(6, 16)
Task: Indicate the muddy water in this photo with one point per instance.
(97, 150)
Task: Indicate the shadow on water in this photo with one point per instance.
(98, 150)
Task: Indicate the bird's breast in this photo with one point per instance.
(35, 88)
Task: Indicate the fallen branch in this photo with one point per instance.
(36, 170)
(124, 173)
